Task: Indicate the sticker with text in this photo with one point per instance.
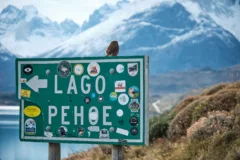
(120, 86)
(64, 69)
(93, 69)
(30, 127)
(120, 68)
(134, 105)
(123, 99)
(132, 69)
(32, 111)
(25, 93)
(78, 69)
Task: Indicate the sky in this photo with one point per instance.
(59, 10)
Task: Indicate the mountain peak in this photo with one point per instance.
(10, 9)
(30, 9)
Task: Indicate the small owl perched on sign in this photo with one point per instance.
(112, 49)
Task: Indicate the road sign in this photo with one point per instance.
(84, 100)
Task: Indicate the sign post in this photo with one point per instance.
(54, 151)
(97, 100)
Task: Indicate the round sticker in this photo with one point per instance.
(78, 69)
(120, 68)
(30, 127)
(113, 96)
(93, 69)
(123, 99)
(62, 131)
(64, 69)
(32, 111)
(119, 113)
(133, 91)
(27, 69)
(93, 115)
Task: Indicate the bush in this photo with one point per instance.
(215, 122)
(158, 126)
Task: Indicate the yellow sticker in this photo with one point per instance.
(25, 93)
(32, 111)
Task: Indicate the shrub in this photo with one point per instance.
(215, 122)
(159, 126)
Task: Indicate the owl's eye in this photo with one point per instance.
(28, 70)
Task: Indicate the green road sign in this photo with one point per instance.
(84, 100)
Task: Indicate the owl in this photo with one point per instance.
(112, 49)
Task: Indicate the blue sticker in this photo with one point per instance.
(93, 95)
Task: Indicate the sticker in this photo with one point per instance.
(111, 71)
(23, 80)
(78, 69)
(104, 133)
(87, 100)
(62, 131)
(27, 69)
(80, 131)
(123, 99)
(48, 72)
(94, 128)
(134, 105)
(133, 91)
(132, 69)
(133, 121)
(48, 128)
(121, 122)
(122, 131)
(113, 96)
(48, 134)
(119, 113)
(93, 69)
(134, 131)
(120, 68)
(93, 115)
(32, 111)
(100, 98)
(120, 86)
(25, 93)
(64, 69)
(30, 127)
(111, 129)
(93, 95)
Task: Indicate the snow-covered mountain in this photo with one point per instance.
(26, 32)
(178, 35)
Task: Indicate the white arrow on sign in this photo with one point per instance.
(35, 83)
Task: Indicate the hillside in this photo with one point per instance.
(200, 127)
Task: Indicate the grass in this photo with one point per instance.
(219, 105)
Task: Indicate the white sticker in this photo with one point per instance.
(132, 69)
(93, 115)
(119, 113)
(123, 99)
(30, 127)
(78, 69)
(122, 131)
(120, 68)
(23, 80)
(94, 128)
(48, 134)
(120, 86)
(93, 69)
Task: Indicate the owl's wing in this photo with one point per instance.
(112, 49)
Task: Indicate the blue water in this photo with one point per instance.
(11, 148)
